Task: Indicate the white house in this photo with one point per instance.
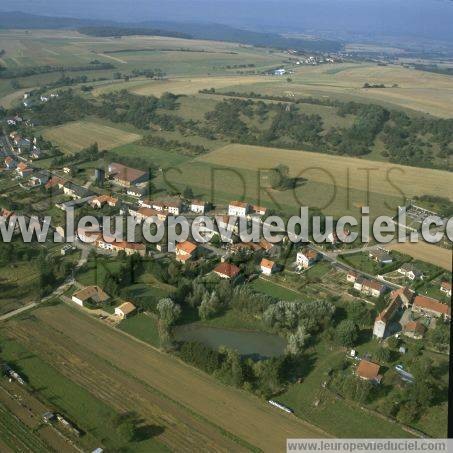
(267, 266)
(198, 206)
(445, 287)
(90, 293)
(124, 310)
(410, 272)
(306, 258)
(238, 209)
(369, 287)
(174, 207)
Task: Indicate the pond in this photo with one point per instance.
(257, 345)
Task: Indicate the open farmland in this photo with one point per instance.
(384, 178)
(336, 185)
(163, 390)
(415, 90)
(221, 184)
(183, 85)
(61, 47)
(73, 137)
(430, 253)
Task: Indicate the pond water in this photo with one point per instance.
(257, 345)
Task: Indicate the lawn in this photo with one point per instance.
(273, 289)
(143, 327)
(153, 155)
(95, 271)
(73, 137)
(333, 414)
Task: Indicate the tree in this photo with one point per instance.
(209, 306)
(297, 340)
(127, 430)
(393, 342)
(347, 333)
(169, 312)
(439, 337)
(383, 354)
(359, 313)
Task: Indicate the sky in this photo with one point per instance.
(429, 19)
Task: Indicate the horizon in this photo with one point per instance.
(340, 19)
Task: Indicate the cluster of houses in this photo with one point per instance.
(367, 287)
(109, 243)
(25, 146)
(404, 298)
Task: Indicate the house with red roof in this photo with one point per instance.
(267, 266)
(227, 270)
(185, 251)
(431, 307)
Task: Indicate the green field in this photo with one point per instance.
(275, 290)
(153, 155)
(20, 285)
(93, 416)
(143, 327)
(16, 436)
(73, 137)
(338, 416)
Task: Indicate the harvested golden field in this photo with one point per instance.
(162, 389)
(73, 137)
(344, 172)
(426, 252)
(183, 85)
(408, 88)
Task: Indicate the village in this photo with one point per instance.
(372, 321)
(406, 312)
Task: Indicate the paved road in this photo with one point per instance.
(333, 259)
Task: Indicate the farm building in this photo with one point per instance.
(431, 307)
(124, 310)
(92, 294)
(126, 176)
(415, 330)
